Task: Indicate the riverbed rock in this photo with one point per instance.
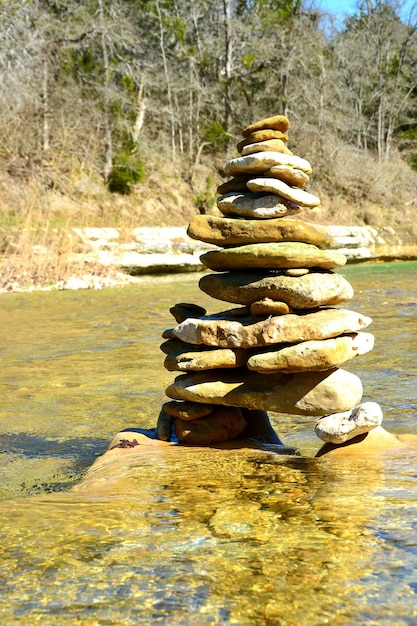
(308, 393)
(299, 292)
(223, 231)
(261, 162)
(276, 122)
(223, 424)
(312, 355)
(375, 442)
(296, 196)
(206, 360)
(281, 255)
(341, 427)
(250, 332)
(247, 204)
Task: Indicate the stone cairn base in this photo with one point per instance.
(280, 349)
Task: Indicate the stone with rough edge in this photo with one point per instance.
(206, 359)
(261, 162)
(164, 425)
(269, 145)
(255, 207)
(292, 194)
(234, 185)
(182, 310)
(187, 411)
(249, 332)
(312, 355)
(308, 393)
(299, 292)
(224, 231)
(281, 255)
(341, 427)
(276, 122)
(223, 424)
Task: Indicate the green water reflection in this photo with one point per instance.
(219, 537)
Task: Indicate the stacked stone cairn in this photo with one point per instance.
(280, 349)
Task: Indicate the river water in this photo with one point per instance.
(189, 537)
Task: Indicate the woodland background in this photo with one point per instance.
(123, 112)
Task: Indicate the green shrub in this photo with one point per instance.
(412, 161)
(128, 170)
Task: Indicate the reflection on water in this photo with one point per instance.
(214, 537)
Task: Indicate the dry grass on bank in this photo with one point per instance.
(39, 249)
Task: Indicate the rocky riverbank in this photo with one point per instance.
(155, 250)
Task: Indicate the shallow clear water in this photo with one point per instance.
(213, 537)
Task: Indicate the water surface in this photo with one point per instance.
(212, 537)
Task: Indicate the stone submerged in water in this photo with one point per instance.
(308, 393)
(299, 292)
(223, 231)
(341, 427)
(249, 332)
(223, 424)
(312, 355)
(282, 255)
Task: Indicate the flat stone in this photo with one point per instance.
(224, 231)
(250, 332)
(261, 135)
(269, 307)
(261, 162)
(237, 184)
(172, 346)
(271, 145)
(276, 122)
(279, 187)
(188, 411)
(299, 292)
(224, 424)
(182, 310)
(206, 360)
(309, 393)
(290, 175)
(255, 207)
(296, 271)
(312, 355)
(282, 255)
(340, 427)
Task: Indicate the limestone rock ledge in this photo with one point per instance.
(164, 250)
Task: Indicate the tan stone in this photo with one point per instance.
(341, 427)
(224, 424)
(182, 310)
(261, 135)
(261, 162)
(276, 122)
(269, 307)
(223, 231)
(272, 145)
(255, 207)
(292, 194)
(296, 271)
(250, 332)
(375, 442)
(312, 355)
(285, 254)
(309, 393)
(188, 411)
(206, 360)
(290, 175)
(299, 292)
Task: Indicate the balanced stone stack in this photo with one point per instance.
(281, 349)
